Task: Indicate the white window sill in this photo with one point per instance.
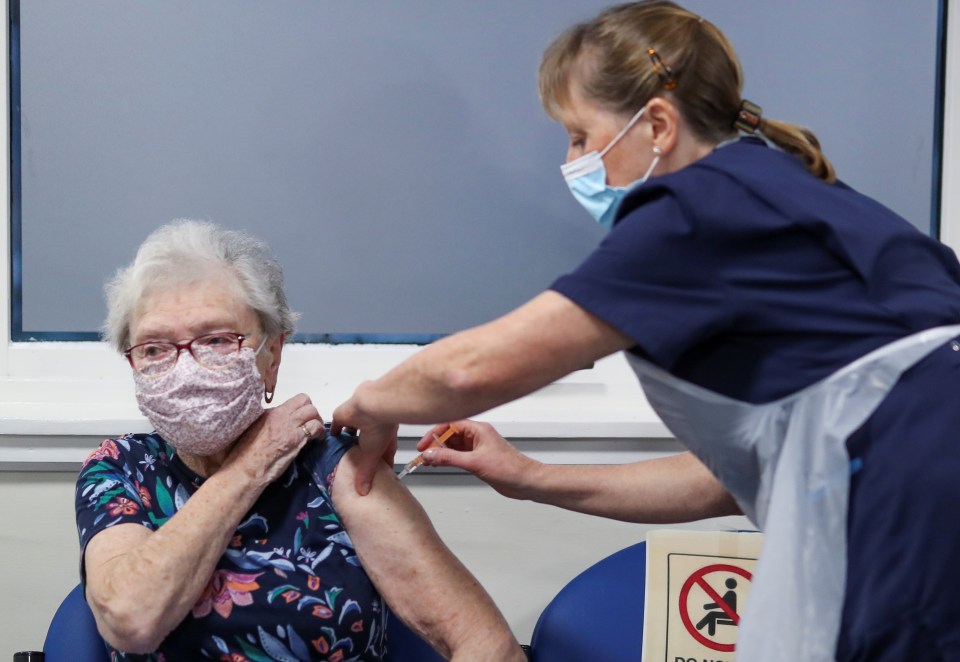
(55, 421)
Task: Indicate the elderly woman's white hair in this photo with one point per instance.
(187, 251)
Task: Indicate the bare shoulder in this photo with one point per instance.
(387, 497)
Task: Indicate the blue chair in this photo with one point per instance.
(73, 636)
(598, 615)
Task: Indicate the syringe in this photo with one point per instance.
(415, 463)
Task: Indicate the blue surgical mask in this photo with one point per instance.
(587, 179)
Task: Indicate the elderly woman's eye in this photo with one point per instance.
(219, 341)
(153, 351)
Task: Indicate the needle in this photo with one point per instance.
(416, 462)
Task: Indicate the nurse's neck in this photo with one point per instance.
(686, 150)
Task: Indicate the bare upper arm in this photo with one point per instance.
(422, 581)
(386, 521)
(551, 329)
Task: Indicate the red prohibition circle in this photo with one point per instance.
(696, 578)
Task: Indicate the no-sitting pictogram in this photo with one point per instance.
(705, 620)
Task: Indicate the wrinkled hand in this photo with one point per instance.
(270, 444)
(377, 443)
(479, 449)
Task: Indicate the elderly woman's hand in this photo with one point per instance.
(268, 446)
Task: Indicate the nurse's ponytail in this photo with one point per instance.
(633, 52)
(801, 142)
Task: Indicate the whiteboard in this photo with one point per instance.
(395, 155)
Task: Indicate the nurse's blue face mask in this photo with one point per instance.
(587, 179)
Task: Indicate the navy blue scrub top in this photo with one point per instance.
(747, 275)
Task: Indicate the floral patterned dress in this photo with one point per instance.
(289, 585)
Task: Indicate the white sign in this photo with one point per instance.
(697, 584)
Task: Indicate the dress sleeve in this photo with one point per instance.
(323, 457)
(112, 488)
(655, 277)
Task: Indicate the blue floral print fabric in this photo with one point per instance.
(289, 585)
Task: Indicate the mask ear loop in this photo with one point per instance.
(657, 152)
(669, 83)
(623, 132)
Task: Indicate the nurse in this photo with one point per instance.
(795, 335)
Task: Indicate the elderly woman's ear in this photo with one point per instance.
(269, 362)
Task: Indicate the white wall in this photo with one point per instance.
(38, 548)
(523, 553)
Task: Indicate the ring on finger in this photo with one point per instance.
(305, 430)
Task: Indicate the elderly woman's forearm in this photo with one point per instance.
(141, 584)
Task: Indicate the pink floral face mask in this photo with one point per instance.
(200, 411)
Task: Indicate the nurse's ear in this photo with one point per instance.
(669, 132)
(665, 124)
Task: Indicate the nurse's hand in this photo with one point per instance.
(377, 443)
(479, 449)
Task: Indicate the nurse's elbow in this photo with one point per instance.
(721, 503)
(467, 381)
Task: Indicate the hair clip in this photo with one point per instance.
(748, 117)
(662, 69)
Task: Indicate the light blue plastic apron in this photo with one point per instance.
(785, 462)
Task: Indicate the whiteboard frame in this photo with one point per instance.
(950, 170)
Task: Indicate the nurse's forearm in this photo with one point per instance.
(666, 490)
(489, 365)
(439, 383)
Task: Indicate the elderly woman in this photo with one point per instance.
(234, 533)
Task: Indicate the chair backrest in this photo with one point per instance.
(598, 615)
(72, 635)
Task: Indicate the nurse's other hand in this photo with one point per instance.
(479, 449)
(377, 442)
